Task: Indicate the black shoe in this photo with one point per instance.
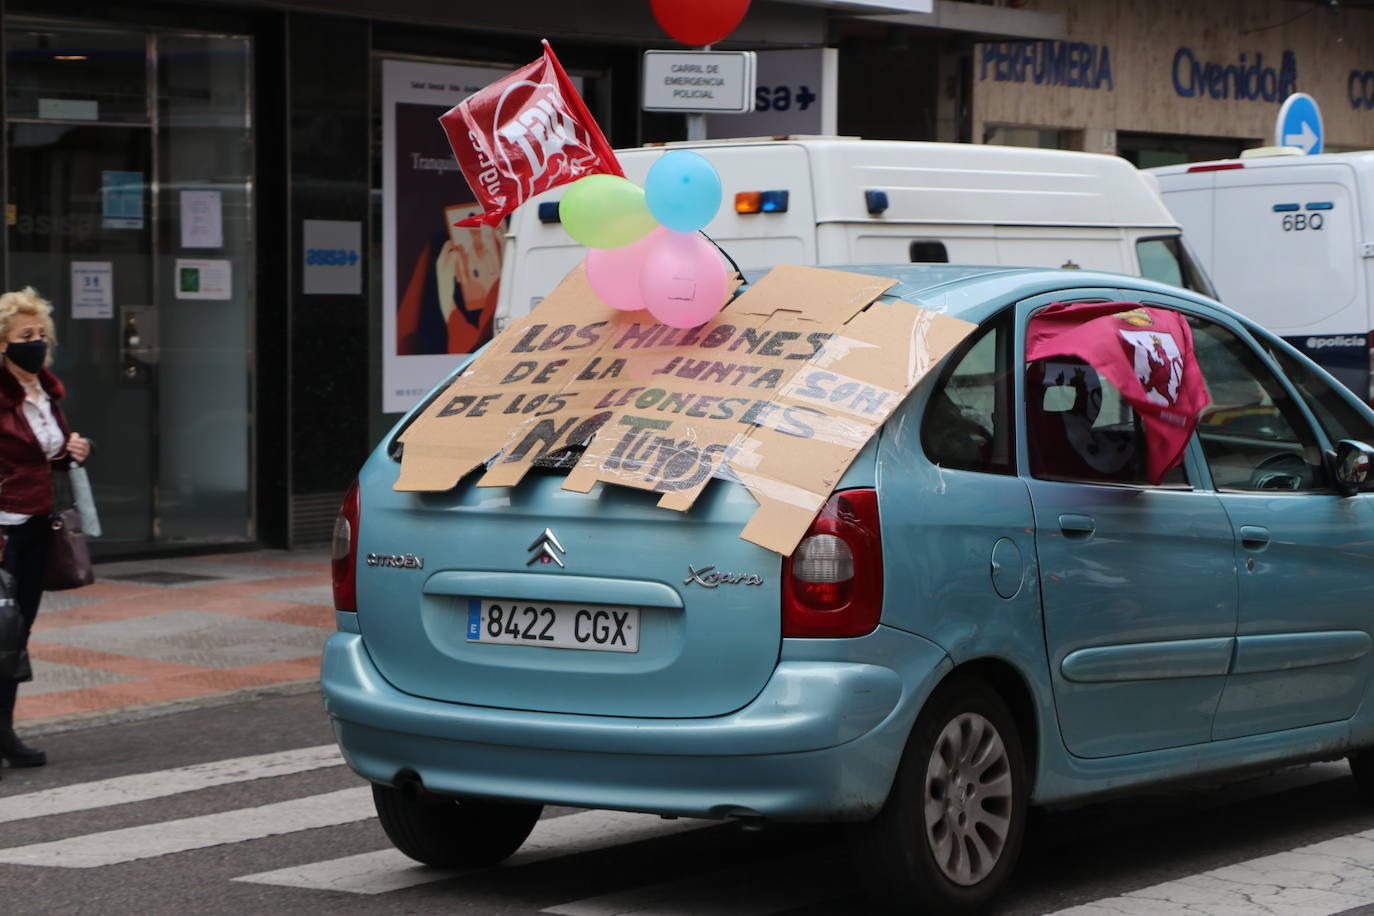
(18, 753)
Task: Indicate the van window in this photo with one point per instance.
(1166, 260)
(927, 251)
(967, 423)
(1253, 434)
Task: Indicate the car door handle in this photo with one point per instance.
(1254, 537)
(1077, 526)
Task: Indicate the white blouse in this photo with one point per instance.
(38, 411)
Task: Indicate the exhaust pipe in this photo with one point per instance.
(410, 785)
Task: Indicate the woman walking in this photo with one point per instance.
(34, 440)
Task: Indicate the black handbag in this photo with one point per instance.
(14, 657)
(69, 558)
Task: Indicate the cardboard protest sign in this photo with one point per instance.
(778, 393)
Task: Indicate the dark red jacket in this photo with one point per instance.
(25, 472)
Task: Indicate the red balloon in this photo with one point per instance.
(699, 22)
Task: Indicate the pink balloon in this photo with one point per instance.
(684, 282)
(614, 272)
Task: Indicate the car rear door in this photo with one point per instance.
(475, 624)
(1138, 584)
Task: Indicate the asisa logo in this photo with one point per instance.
(544, 144)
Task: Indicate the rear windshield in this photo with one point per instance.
(1166, 259)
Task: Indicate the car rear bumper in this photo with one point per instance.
(820, 742)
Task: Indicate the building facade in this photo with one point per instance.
(240, 211)
(1177, 81)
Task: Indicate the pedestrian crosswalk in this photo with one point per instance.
(1332, 876)
(130, 844)
(162, 783)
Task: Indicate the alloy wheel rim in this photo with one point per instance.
(968, 799)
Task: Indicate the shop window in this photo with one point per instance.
(73, 76)
(1024, 136)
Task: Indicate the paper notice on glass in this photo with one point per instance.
(196, 279)
(202, 219)
(121, 200)
(92, 289)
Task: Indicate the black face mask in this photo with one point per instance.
(28, 355)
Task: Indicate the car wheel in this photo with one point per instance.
(950, 832)
(448, 833)
(1362, 768)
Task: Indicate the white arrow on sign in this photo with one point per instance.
(1304, 141)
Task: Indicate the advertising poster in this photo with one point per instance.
(440, 282)
(197, 279)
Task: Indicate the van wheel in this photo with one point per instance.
(949, 835)
(1362, 768)
(448, 833)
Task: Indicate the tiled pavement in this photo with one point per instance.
(150, 633)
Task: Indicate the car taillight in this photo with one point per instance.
(343, 552)
(833, 582)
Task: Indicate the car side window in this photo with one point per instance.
(1253, 434)
(1079, 428)
(1339, 418)
(967, 423)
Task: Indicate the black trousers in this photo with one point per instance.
(26, 552)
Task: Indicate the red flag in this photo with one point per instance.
(1146, 353)
(523, 134)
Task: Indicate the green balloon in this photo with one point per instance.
(605, 211)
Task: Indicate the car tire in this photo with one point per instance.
(1362, 768)
(448, 833)
(949, 835)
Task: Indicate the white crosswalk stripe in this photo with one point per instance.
(146, 786)
(113, 847)
(390, 870)
(1318, 880)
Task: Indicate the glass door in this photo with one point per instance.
(129, 208)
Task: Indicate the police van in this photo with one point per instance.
(842, 200)
(1288, 240)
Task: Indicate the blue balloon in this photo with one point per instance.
(682, 190)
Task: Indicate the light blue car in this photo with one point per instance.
(995, 610)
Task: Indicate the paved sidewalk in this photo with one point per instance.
(150, 633)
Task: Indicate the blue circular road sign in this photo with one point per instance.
(1299, 124)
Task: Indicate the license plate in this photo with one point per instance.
(553, 625)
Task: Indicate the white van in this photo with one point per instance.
(842, 200)
(1287, 240)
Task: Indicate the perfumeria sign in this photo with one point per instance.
(1244, 80)
(1049, 63)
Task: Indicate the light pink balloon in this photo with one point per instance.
(684, 282)
(614, 272)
